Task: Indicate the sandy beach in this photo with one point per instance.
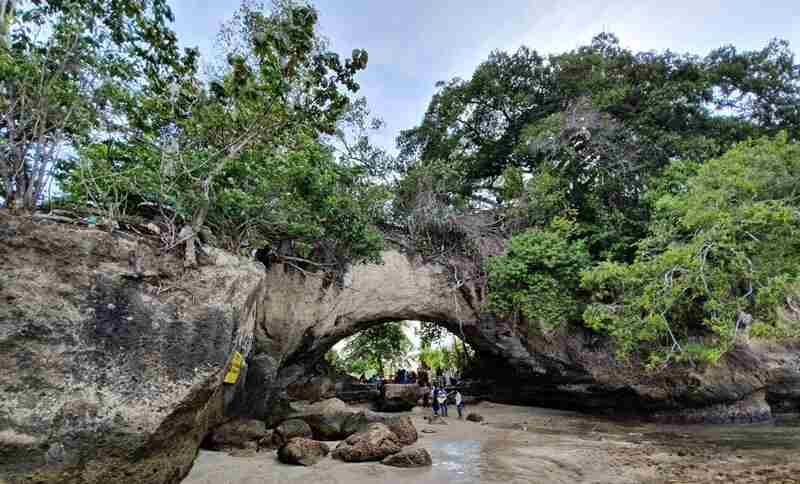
(525, 444)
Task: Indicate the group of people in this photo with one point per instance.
(402, 376)
(440, 398)
(435, 392)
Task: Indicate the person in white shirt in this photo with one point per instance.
(459, 403)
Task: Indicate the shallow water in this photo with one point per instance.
(524, 444)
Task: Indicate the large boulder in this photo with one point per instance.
(403, 428)
(327, 418)
(353, 392)
(409, 458)
(289, 430)
(333, 419)
(237, 434)
(112, 357)
(397, 397)
(375, 444)
(304, 452)
(315, 388)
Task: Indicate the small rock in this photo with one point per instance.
(301, 451)
(428, 431)
(409, 458)
(474, 417)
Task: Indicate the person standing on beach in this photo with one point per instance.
(459, 403)
(435, 402)
(441, 398)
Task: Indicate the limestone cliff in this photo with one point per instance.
(111, 358)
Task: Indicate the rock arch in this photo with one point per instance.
(297, 317)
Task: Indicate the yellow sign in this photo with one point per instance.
(235, 367)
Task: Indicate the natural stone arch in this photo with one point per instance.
(299, 313)
(298, 317)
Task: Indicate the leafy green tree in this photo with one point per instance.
(242, 154)
(456, 355)
(721, 260)
(593, 127)
(380, 347)
(538, 277)
(356, 150)
(430, 333)
(62, 66)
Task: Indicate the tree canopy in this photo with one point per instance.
(638, 193)
(647, 196)
(377, 349)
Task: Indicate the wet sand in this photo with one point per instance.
(534, 445)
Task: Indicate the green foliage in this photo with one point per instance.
(64, 69)
(377, 348)
(430, 333)
(243, 153)
(538, 277)
(594, 127)
(513, 184)
(722, 254)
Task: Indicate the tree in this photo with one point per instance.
(380, 346)
(61, 65)
(721, 260)
(456, 355)
(355, 148)
(595, 126)
(242, 153)
(538, 277)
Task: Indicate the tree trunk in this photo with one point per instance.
(8, 181)
(199, 218)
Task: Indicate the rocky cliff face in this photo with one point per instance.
(112, 357)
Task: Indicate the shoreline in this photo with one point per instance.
(529, 444)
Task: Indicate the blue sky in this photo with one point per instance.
(412, 44)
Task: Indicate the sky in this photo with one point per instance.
(412, 44)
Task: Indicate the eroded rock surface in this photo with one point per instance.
(111, 357)
(403, 428)
(375, 444)
(237, 434)
(570, 368)
(289, 430)
(409, 458)
(304, 452)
